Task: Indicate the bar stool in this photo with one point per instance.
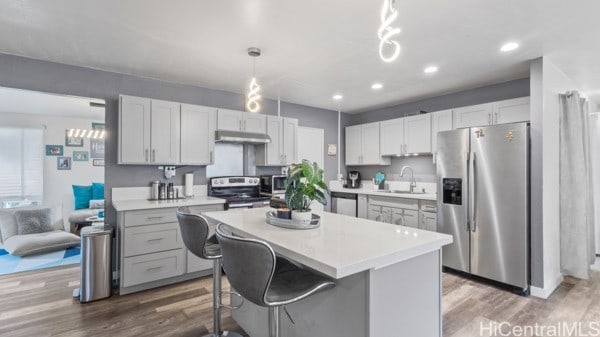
(195, 234)
(259, 276)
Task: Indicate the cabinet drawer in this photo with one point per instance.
(394, 202)
(151, 239)
(140, 218)
(428, 206)
(152, 267)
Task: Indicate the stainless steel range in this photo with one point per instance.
(238, 191)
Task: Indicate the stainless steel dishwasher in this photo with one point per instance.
(343, 203)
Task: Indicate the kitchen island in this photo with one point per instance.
(388, 277)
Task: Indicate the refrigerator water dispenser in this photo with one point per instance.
(452, 188)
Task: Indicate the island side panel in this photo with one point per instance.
(405, 298)
(338, 312)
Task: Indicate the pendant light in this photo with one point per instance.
(253, 97)
(386, 32)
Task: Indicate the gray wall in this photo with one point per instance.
(424, 167)
(25, 73)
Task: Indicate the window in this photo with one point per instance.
(21, 166)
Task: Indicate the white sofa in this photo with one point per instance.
(30, 244)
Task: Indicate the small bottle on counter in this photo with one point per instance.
(162, 193)
(170, 192)
(154, 192)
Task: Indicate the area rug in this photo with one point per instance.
(13, 264)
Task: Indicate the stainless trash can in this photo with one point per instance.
(95, 263)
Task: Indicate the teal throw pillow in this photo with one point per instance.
(97, 191)
(82, 195)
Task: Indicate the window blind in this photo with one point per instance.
(21, 164)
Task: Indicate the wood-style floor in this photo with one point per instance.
(39, 303)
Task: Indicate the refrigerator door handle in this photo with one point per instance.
(473, 193)
(467, 187)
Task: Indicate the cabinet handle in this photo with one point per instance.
(146, 155)
(490, 118)
(240, 125)
(153, 155)
(154, 217)
(211, 157)
(153, 268)
(496, 117)
(154, 240)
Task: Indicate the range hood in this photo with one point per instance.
(226, 136)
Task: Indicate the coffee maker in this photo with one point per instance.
(353, 180)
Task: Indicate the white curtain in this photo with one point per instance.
(577, 249)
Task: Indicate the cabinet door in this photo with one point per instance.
(362, 206)
(274, 149)
(398, 217)
(230, 120)
(374, 213)
(386, 214)
(428, 221)
(412, 218)
(440, 121)
(392, 137)
(370, 144)
(134, 130)
(511, 111)
(353, 144)
(198, 124)
(164, 134)
(476, 115)
(255, 122)
(417, 134)
(290, 141)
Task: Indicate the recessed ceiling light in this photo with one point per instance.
(509, 46)
(431, 69)
(376, 86)
(337, 97)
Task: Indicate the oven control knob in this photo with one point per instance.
(255, 180)
(222, 181)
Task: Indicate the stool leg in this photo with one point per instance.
(274, 322)
(217, 297)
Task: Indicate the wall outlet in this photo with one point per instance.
(284, 170)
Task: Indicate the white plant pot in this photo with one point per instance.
(375, 187)
(301, 216)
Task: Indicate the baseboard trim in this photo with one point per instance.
(545, 292)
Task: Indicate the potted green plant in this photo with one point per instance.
(303, 185)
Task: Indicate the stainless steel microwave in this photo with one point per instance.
(272, 184)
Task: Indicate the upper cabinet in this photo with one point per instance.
(406, 135)
(363, 145)
(198, 124)
(234, 120)
(511, 111)
(502, 112)
(440, 121)
(148, 131)
(283, 148)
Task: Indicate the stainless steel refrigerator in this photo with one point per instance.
(483, 201)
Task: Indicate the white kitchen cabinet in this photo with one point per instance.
(149, 131)
(392, 137)
(230, 120)
(362, 145)
(476, 115)
(362, 206)
(405, 217)
(353, 144)
(198, 124)
(511, 111)
(374, 213)
(406, 135)
(501, 112)
(234, 120)
(428, 221)
(440, 121)
(283, 148)
(290, 141)
(134, 130)
(417, 134)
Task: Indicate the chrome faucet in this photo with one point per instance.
(413, 183)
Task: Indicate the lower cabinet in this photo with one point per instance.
(403, 212)
(151, 249)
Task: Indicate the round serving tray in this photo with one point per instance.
(272, 219)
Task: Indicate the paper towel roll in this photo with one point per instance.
(189, 185)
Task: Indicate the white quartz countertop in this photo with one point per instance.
(134, 204)
(341, 246)
(371, 191)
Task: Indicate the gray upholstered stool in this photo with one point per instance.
(259, 276)
(195, 234)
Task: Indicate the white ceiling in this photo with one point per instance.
(312, 48)
(40, 103)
